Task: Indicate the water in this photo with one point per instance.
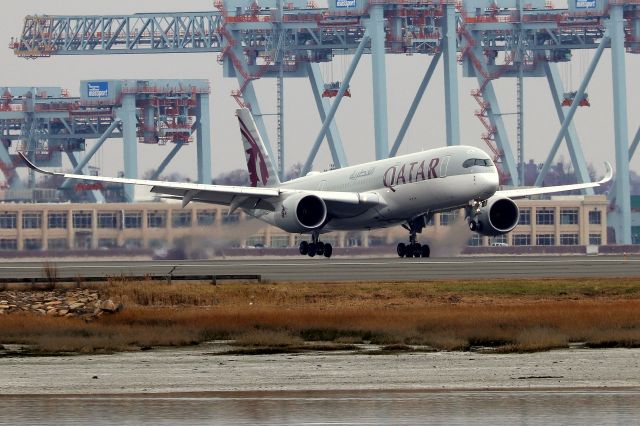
(338, 408)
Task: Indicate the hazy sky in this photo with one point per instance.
(355, 116)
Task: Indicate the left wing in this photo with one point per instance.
(526, 192)
(187, 191)
(233, 196)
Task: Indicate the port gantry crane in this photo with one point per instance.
(490, 38)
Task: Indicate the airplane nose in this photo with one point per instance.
(487, 184)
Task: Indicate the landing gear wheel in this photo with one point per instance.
(304, 248)
(313, 249)
(320, 248)
(402, 249)
(473, 225)
(426, 251)
(409, 250)
(417, 250)
(328, 250)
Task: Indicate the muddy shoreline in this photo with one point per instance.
(201, 370)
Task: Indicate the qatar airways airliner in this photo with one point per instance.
(404, 190)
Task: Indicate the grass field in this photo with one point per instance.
(495, 315)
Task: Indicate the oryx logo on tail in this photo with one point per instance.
(261, 171)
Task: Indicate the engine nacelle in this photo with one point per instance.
(499, 216)
(301, 213)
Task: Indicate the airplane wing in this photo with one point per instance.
(234, 196)
(526, 192)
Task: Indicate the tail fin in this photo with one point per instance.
(261, 170)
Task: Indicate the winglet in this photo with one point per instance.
(608, 175)
(33, 166)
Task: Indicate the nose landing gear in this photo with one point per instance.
(315, 247)
(414, 248)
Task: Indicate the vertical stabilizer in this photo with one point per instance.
(261, 170)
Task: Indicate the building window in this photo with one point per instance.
(31, 220)
(107, 243)
(108, 220)
(157, 219)
(354, 241)
(57, 220)
(545, 216)
(525, 217)
(82, 219)
(475, 240)
(595, 239)
(181, 219)
(279, 241)
(8, 220)
(594, 217)
(206, 217)
(82, 240)
(447, 218)
(157, 244)
(132, 220)
(255, 241)
(568, 216)
(7, 244)
(568, 239)
(374, 240)
(58, 244)
(521, 240)
(230, 218)
(500, 240)
(33, 244)
(133, 243)
(545, 239)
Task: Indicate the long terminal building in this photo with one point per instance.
(52, 227)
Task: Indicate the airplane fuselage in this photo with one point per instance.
(405, 186)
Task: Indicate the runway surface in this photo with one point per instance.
(321, 269)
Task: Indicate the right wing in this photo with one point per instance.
(526, 192)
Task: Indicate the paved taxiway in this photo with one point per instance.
(339, 269)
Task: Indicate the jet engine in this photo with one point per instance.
(301, 213)
(499, 216)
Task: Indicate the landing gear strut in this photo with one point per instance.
(414, 248)
(315, 247)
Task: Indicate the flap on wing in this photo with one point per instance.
(361, 198)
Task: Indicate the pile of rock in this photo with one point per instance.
(57, 303)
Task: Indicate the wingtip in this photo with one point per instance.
(609, 173)
(26, 161)
(33, 166)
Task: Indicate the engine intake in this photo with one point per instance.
(300, 213)
(498, 217)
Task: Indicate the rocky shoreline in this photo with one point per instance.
(81, 303)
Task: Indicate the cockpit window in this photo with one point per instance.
(477, 162)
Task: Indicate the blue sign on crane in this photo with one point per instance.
(585, 4)
(98, 89)
(346, 3)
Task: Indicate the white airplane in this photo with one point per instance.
(405, 190)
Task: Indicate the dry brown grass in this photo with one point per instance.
(500, 316)
(380, 294)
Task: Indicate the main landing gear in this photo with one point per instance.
(315, 247)
(414, 248)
